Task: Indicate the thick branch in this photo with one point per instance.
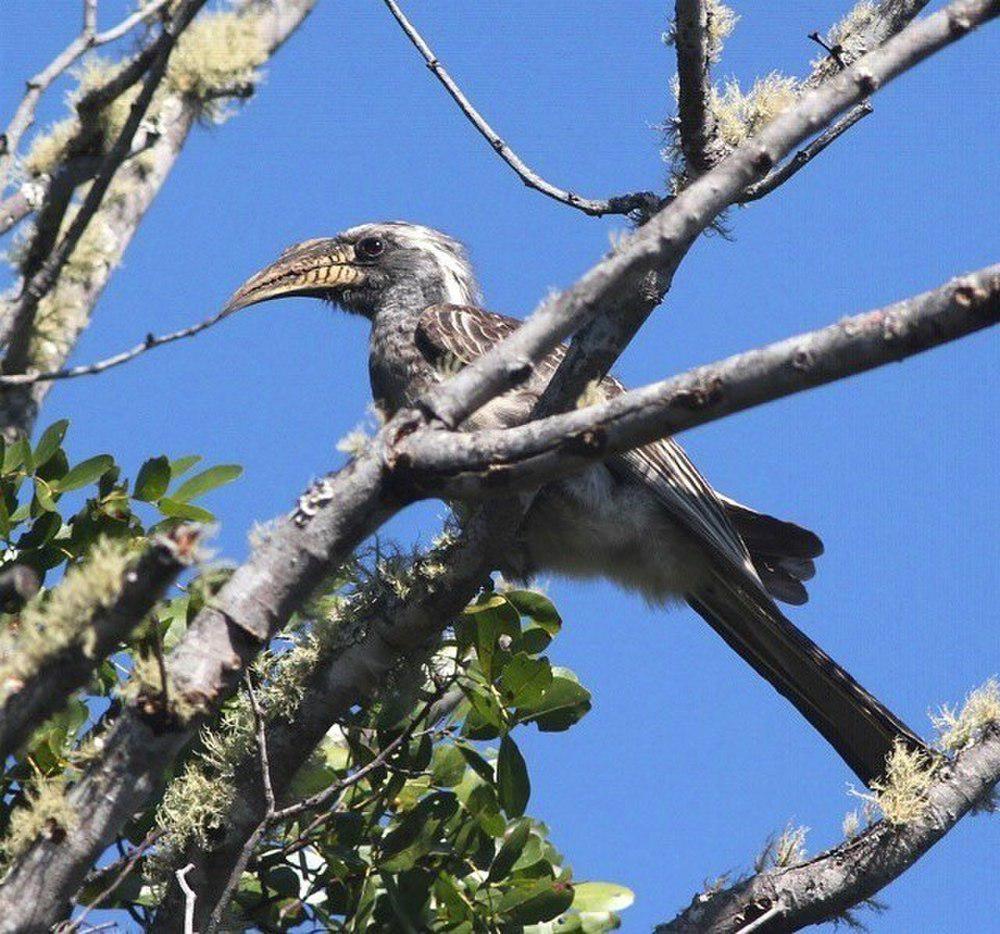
(88, 38)
(788, 899)
(26, 703)
(394, 631)
(694, 59)
(643, 202)
(504, 459)
(22, 327)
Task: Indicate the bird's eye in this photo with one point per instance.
(370, 247)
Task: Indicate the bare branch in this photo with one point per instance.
(642, 202)
(697, 124)
(189, 896)
(151, 342)
(41, 282)
(27, 701)
(803, 157)
(135, 188)
(88, 38)
(503, 459)
(820, 889)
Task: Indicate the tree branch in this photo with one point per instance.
(821, 889)
(23, 315)
(778, 177)
(26, 702)
(88, 39)
(641, 202)
(136, 186)
(498, 460)
(694, 59)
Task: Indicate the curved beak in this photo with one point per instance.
(313, 268)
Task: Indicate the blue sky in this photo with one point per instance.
(687, 761)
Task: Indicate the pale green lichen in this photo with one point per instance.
(60, 618)
(219, 53)
(721, 22)
(901, 795)
(47, 814)
(787, 849)
(739, 116)
(853, 36)
(981, 710)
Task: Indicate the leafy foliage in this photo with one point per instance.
(104, 523)
(412, 813)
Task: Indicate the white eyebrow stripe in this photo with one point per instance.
(460, 283)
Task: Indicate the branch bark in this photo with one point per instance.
(25, 705)
(134, 190)
(641, 202)
(823, 888)
(498, 460)
(694, 59)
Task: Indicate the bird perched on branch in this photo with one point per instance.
(645, 518)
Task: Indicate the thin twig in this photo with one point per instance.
(45, 278)
(90, 369)
(805, 155)
(88, 38)
(189, 897)
(643, 203)
(129, 864)
(265, 765)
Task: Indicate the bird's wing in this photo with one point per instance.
(451, 336)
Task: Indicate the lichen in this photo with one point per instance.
(721, 22)
(981, 710)
(47, 814)
(787, 849)
(218, 53)
(60, 618)
(739, 116)
(901, 795)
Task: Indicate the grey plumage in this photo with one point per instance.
(646, 518)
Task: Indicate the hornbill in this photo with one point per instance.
(645, 518)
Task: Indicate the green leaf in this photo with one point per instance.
(43, 495)
(512, 778)
(537, 901)
(482, 804)
(176, 510)
(601, 896)
(183, 464)
(510, 850)
(488, 628)
(153, 479)
(477, 763)
(448, 766)
(17, 455)
(536, 606)
(4, 518)
(202, 483)
(50, 440)
(85, 472)
(524, 680)
(562, 704)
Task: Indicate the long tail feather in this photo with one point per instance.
(861, 730)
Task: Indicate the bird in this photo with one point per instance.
(645, 518)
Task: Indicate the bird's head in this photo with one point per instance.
(369, 269)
